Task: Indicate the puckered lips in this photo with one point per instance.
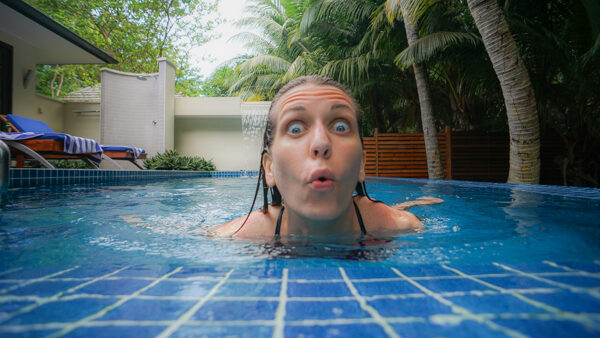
(321, 180)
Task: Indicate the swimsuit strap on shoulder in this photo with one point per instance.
(278, 225)
(360, 220)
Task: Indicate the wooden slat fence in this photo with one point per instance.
(402, 155)
(472, 156)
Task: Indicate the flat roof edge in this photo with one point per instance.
(53, 26)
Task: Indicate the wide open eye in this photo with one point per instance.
(341, 126)
(295, 128)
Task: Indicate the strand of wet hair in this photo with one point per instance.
(261, 174)
(361, 190)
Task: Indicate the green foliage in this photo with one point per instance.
(217, 85)
(59, 164)
(171, 160)
(69, 164)
(362, 43)
(135, 32)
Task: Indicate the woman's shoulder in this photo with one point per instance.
(258, 224)
(380, 216)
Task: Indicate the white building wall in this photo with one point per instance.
(213, 128)
(166, 79)
(132, 111)
(25, 102)
(82, 119)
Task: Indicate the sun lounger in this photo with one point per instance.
(130, 154)
(35, 139)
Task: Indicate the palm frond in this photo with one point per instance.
(271, 62)
(429, 45)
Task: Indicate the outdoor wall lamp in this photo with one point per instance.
(27, 78)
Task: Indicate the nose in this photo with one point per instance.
(320, 143)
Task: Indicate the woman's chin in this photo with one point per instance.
(321, 213)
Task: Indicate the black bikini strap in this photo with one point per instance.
(360, 220)
(278, 226)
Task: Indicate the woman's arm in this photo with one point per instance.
(425, 200)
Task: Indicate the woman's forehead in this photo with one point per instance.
(312, 92)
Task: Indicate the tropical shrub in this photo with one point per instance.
(171, 160)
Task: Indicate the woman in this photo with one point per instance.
(312, 161)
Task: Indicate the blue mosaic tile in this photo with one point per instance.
(38, 177)
(516, 282)
(144, 271)
(409, 307)
(424, 271)
(480, 269)
(582, 266)
(45, 288)
(200, 273)
(569, 301)
(352, 330)
(385, 288)
(534, 268)
(29, 273)
(324, 310)
(117, 331)
(465, 329)
(224, 331)
(549, 328)
(318, 289)
(114, 287)
(28, 334)
(451, 285)
(6, 285)
(494, 304)
(270, 272)
(309, 274)
(258, 289)
(368, 273)
(236, 310)
(176, 288)
(577, 281)
(148, 309)
(62, 311)
(88, 272)
(8, 307)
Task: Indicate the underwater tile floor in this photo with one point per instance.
(516, 300)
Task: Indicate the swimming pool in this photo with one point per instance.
(126, 259)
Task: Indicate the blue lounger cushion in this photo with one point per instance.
(26, 124)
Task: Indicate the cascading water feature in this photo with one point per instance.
(254, 117)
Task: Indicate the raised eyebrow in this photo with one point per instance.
(341, 106)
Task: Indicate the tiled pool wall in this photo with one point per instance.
(19, 178)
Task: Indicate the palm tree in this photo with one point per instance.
(516, 87)
(280, 54)
(434, 163)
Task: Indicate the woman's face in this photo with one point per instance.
(316, 156)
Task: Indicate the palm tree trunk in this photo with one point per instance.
(432, 150)
(516, 87)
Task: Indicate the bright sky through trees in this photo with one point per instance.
(209, 56)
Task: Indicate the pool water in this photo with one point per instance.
(166, 223)
(495, 260)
